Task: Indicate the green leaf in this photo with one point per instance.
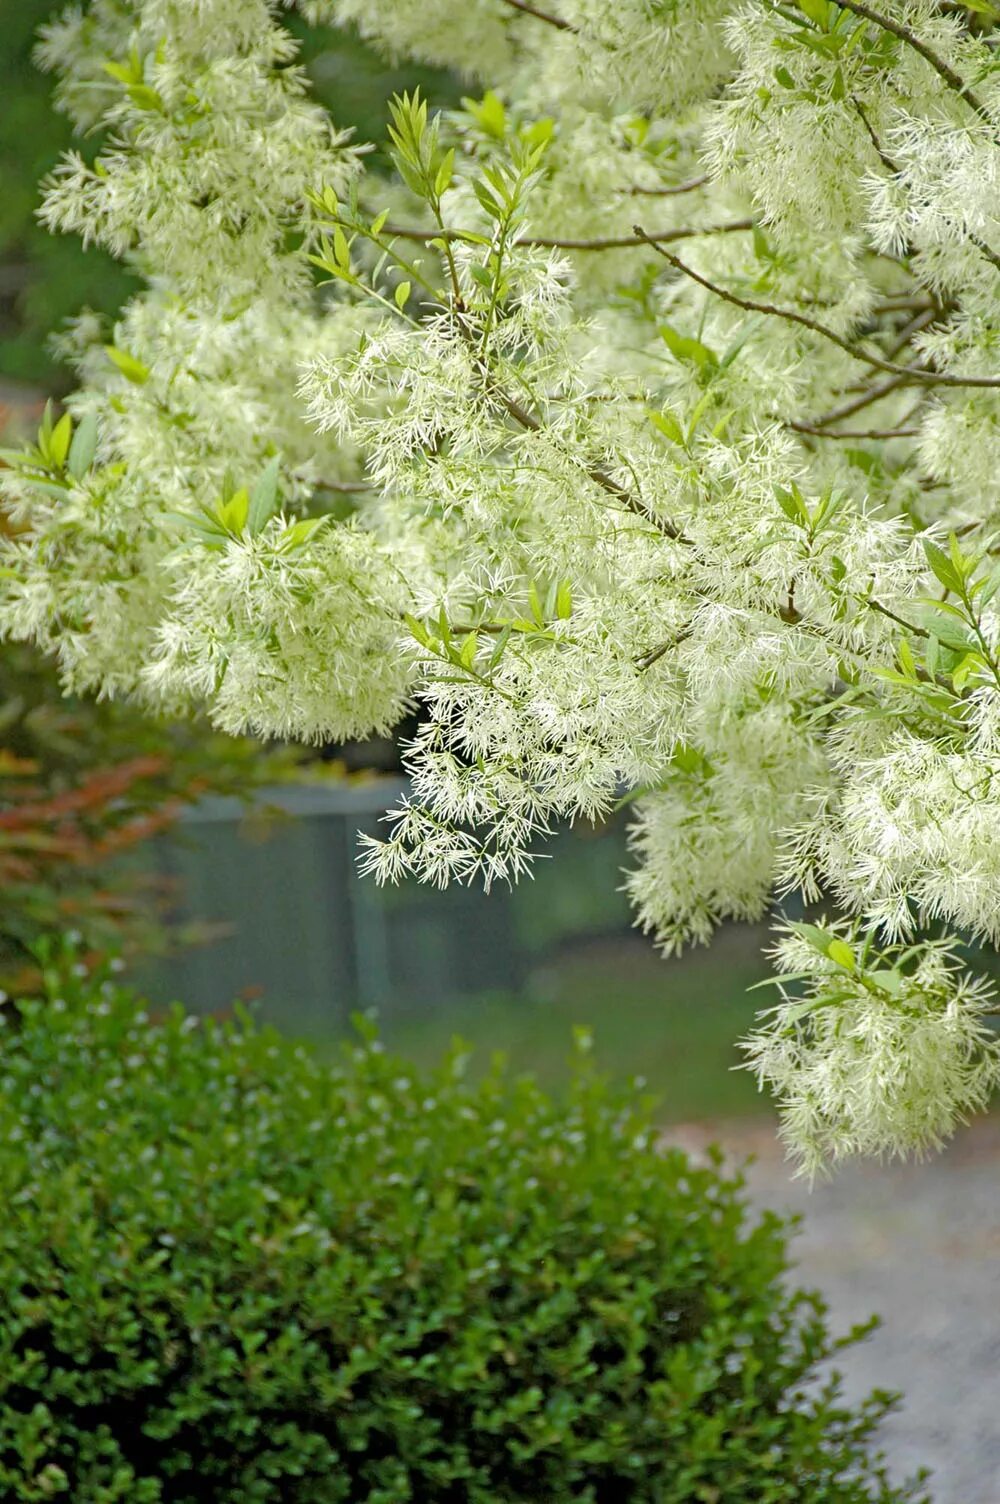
(683, 347)
(299, 533)
(467, 654)
(119, 72)
(535, 603)
(18, 459)
(234, 512)
(792, 503)
(932, 653)
(50, 487)
(816, 10)
(487, 201)
(146, 98)
(445, 172)
(972, 663)
(668, 425)
(264, 498)
(839, 951)
(489, 114)
(58, 444)
(402, 294)
(943, 567)
(417, 630)
(500, 648)
(83, 447)
(889, 979)
(132, 369)
(818, 938)
(784, 78)
(906, 662)
(942, 625)
(341, 250)
(564, 601)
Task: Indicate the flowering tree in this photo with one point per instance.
(641, 426)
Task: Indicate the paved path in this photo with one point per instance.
(920, 1244)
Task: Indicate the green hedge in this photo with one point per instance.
(229, 1272)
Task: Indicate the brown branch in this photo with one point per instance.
(899, 620)
(540, 15)
(886, 161)
(851, 433)
(912, 327)
(941, 68)
(904, 303)
(868, 396)
(646, 660)
(597, 474)
(345, 487)
(548, 242)
(750, 305)
(686, 187)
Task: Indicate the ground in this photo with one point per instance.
(920, 1244)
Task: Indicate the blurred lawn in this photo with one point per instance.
(674, 1023)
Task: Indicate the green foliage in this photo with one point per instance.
(228, 1272)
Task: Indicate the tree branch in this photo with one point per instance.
(750, 305)
(868, 396)
(901, 621)
(687, 187)
(540, 15)
(851, 433)
(596, 473)
(551, 242)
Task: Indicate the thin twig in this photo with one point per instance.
(868, 396)
(904, 303)
(551, 242)
(750, 305)
(646, 660)
(686, 187)
(541, 15)
(597, 474)
(851, 433)
(914, 326)
(899, 620)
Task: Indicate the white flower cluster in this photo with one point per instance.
(640, 429)
(881, 1054)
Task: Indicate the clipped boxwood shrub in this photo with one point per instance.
(229, 1271)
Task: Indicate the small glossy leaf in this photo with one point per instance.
(132, 369)
(264, 498)
(84, 447)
